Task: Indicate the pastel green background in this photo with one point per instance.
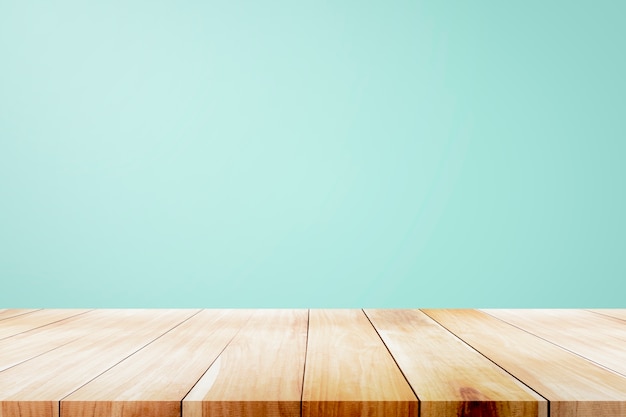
(312, 153)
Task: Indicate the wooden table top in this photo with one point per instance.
(312, 363)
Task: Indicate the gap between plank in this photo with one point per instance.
(306, 351)
(604, 315)
(216, 358)
(419, 402)
(42, 353)
(43, 325)
(21, 314)
(557, 345)
(490, 360)
(123, 359)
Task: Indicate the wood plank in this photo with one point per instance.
(12, 312)
(34, 388)
(349, 371)
(27, 345)
(601, 339)
(619, 313)
(26, 322)
(259, 373)
(574, 386)
(153, 381)
(450, 378)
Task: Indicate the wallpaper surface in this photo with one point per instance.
(312, 154)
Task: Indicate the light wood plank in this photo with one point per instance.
(34, 388)
(574, 386)
(153, 381)
(349, 371)
(27, 345)
(450, 378)
(260, 372)
(12, 312)
(601, 339)
(26, 322)
(619, 313)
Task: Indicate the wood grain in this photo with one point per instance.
(164, 363)
(450, 378)
(153, 381)
(349, 371)
(34, 388)
(259, 373)
(24, 346)
(26, 322)
(574, 386)
(12, 312)
(612, 312)
(601, 339)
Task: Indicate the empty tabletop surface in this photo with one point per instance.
(312, 363)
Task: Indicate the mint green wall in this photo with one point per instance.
(313, 154)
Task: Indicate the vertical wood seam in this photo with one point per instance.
(123, 359)
(490, 360)
(605, 315)
(43, 325)
(557, 345)
(42, 353)
(306, 351)
(22, 314)
(243, 325)
(396, 362)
